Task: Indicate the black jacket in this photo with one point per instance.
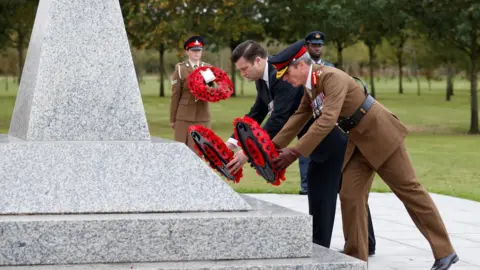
(286, 100)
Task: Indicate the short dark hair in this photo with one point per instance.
(249, 50)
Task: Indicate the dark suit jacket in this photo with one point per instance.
(285, 97)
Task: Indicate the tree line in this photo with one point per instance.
(426, 34)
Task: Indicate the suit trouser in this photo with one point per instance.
(323, 182)
(303, 167)
(398, 173)
(181, 132)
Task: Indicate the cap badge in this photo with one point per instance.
(196, 42)
(317, 35)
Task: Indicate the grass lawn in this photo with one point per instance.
(445, 158)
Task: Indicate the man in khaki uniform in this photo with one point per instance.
(376, 144)
(185, 109)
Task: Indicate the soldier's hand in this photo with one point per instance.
(285, 158)
(237, 162)
(172, 124)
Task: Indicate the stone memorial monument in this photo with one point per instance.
(84, 185)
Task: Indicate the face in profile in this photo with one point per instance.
(250, 70)
(296, 75)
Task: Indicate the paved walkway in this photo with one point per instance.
(399, 244)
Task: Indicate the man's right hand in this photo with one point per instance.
(172, 124)
(237, 162)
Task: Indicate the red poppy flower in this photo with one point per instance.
(267, 147)
(219, 89)
(214, 161)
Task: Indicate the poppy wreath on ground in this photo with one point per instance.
(213, 150)
(220, 88)
(259, 148)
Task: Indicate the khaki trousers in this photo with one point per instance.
(182, 135)
(398, 173)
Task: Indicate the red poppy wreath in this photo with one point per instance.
(219, 86)
(259, 148)
(213, 150)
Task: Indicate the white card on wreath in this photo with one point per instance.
(208, 75)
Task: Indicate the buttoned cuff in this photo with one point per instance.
(233, 141)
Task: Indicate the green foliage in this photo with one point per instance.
(339, 19)
(284, 20)
(232, 22)
(455, 21)
(376, 15)
(16, 22)
(154, 23)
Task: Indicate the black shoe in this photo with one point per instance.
(303, 192)
(445, 262)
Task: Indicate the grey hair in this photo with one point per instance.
(305, 58)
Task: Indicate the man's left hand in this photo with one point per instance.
(286, 158)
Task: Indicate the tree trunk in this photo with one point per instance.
(415, 66)
(473, 83)
(371, 59)
(161, 52)
(234, 79)
(399, 45)
(339, 55)
(241, 86)
(418, 82)
(6, 82)
(233, 45)
(400, 72)
(20, 56)
(450, 73)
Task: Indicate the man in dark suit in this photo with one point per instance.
(314, 44)
(280, 99)
(276, 98)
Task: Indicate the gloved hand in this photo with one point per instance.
(286, 158)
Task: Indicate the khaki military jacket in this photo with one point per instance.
(377, 135)
(183, 105)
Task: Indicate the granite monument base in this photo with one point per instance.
(268, 231)
(59, 177)
(268, 237)
(321, 259)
